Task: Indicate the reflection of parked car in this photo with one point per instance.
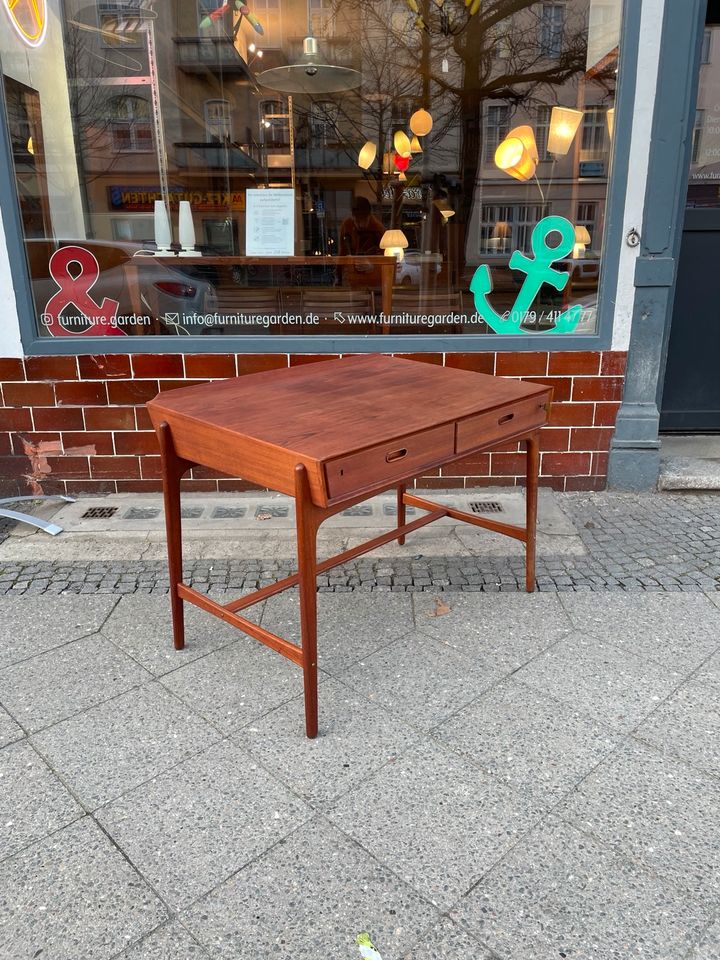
(142, 285)
(410, 269)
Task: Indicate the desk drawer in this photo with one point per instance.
(390, 461)
(507, 421)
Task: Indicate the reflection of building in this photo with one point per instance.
(134, 101)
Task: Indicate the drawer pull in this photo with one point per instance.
(507, 418)
(396, 455)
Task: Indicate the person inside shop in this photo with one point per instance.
(361, 232)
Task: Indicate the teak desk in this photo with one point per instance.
(332, 434)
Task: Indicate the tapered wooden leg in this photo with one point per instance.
(173, 467)
(401, 511)
(532, 445)
(307, 525)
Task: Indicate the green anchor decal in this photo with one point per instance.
(538, 270)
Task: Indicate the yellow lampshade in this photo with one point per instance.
(393, 238)
(582, 235)
(421, 123)
(501, 230)
(444, 208)
(415, 145)
(564, 122)
(527, 137)
(367, 155)
(513, 158)
(401, 142)
(611, 121)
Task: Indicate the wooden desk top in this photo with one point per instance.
(262, 424)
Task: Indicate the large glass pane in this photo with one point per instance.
(313, 166)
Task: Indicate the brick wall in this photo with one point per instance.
(78, 425)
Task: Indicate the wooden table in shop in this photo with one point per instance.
(331, 434)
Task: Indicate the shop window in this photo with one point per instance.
(130, 124)
(218, 122)
(552, 26)
(587, 217)
(275, 123)
(119, 24)
(594, 130)
(323, 123)
(542, 130)
(497, 125)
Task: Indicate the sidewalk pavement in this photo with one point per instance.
(498, 776)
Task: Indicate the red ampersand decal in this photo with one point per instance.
(75, 291)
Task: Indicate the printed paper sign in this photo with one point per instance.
(270, 223)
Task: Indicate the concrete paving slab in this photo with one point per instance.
(142, 627)
(170, 942)
(511, 627)
(355, 738)
(34, 802)
(236, 684)
(435, 821)
(448, 941)
(29, 629)
(528, 740)
(562, 894)
(192, 827)
(104, 752)
(677, 631)
(309, 897)
(709, 947)
(654, 809)
(349, 626)
(74, 897)
(601, 681)
(422, 681)
(9, 730)
(57, 684)
(688, 725)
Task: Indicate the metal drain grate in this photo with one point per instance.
(99, 513)
(229, 513)
(486, 506)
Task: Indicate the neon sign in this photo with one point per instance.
(29, 18)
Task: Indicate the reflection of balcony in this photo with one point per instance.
(214, 156)
(217, 54)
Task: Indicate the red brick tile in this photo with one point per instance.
(6, 447)
(11, 369)
(440, 483)
(478, 464)
(104, 367)
(210, 366)
(115, 468)
(508, 464)
(206, 473)
(131, 391)
(554, 438)
(521, 364)
(139, 486)
(473, 481)
(600, 464)
(554, 483)
(585, 484)
(512, 446)
(28, 394)
(297, 359)
(572, 414)
(14, 466)
(20, 441)
(136, 443)
(436, 358)
(91, 442)
(69, 468)
(142, 419)
(591, 438)
(155, 365)
(90, 488)
(478, 362)
(572, 363)
(613, 363)
(562, 386)
(233, 484)
(150, 467)
(16, 418)
(565, 464)
(257, 362)
(201, 486)
(51, 368)
(597, 388)
(110, 418)
(177, 384)
(56, 418)
(606, 414)
(80, 394)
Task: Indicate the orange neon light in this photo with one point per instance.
(29, 18)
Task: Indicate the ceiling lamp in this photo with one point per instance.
(443, 208)
(611, 121)
(513, 158)
(310, 74)
(564, 123)
(421, 123)
(582, 237)
(367, 155)
(402, 144)
(393, 242)
(527, 137)
(402, 163)
(415, 145)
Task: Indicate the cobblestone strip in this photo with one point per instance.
(634, 543)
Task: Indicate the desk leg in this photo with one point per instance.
(401, 511)
(532, 445)
(307, 526)
(173, 467)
